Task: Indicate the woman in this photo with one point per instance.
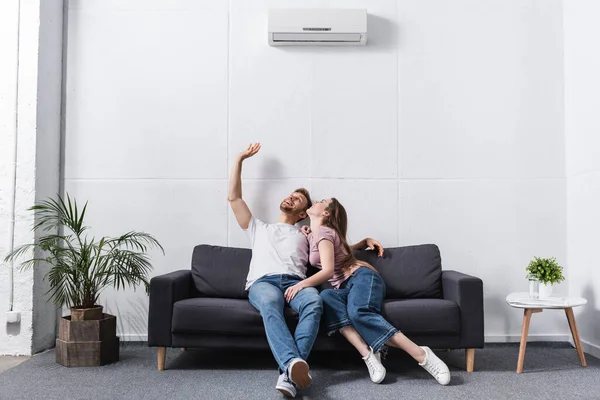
(353, 307)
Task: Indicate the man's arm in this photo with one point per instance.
(368, 243)
(238, 205)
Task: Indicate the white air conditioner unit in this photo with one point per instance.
(317, 27)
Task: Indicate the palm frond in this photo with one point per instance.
(64, 285)
(140, 241)
(123, 268)
(82, 267)
(32, 262)
(19, 251)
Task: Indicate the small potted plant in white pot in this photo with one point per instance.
(547, 272)
(80, 268)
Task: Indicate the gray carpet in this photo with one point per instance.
(552, 371)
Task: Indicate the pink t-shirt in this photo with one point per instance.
(339, 254)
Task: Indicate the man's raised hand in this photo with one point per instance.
(252, 149)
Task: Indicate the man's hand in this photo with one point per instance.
(305, 230)
(252, 149)
(375, 245)
(292, 291)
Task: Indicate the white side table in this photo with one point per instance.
(531, 306)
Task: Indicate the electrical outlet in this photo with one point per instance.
(13, 317)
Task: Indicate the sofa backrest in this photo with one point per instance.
(221, 271)
(408, 272)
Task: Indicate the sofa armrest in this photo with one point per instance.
(165, 290)
(467, 292)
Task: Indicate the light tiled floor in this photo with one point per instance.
(7, 362)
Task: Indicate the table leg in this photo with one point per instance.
(575, 333)
(524, 331)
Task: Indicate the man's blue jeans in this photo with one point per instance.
(266, 295)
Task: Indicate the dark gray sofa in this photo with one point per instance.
(207, 306)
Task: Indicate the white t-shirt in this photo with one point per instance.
(278, 248)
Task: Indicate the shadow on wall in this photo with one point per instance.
(501, 308)
(136, 317)
(588, 321)
(495, 305)
(382, 33)
(271, 167)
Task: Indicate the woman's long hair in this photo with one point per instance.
(338, 221)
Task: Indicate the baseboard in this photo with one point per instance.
(132, 337)
(530, 338)
(588, 347)
(591, 349)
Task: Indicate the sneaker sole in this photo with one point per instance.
(286, 393)
(380, 380)
(299, 375)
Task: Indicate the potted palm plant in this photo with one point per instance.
(80, 268)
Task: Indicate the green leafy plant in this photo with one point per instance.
(546, 270)
(80, 267)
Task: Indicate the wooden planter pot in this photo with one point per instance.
(87, 343)
(86, 314)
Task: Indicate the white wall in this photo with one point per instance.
(30, 111)
(446, 128)
(582, 130)
(11, 339)
(481, 160)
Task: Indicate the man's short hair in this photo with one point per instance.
(305, 193)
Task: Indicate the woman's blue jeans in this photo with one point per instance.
(358, 303)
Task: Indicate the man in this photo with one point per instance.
(279, 259)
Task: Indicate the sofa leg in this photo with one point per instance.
(162, 355)
(470, 356)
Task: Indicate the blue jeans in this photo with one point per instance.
(266, 295)
(358, 303)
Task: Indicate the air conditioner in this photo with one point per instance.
(317, 27)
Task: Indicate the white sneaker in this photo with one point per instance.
(436, 367)
(285, 386)
(298, 373)
(376, 369)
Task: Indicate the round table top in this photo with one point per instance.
(522, 300)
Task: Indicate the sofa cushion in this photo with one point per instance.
(408, 272)
(423, 316)
(221, 271)
(226, 316)
(238, 317)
